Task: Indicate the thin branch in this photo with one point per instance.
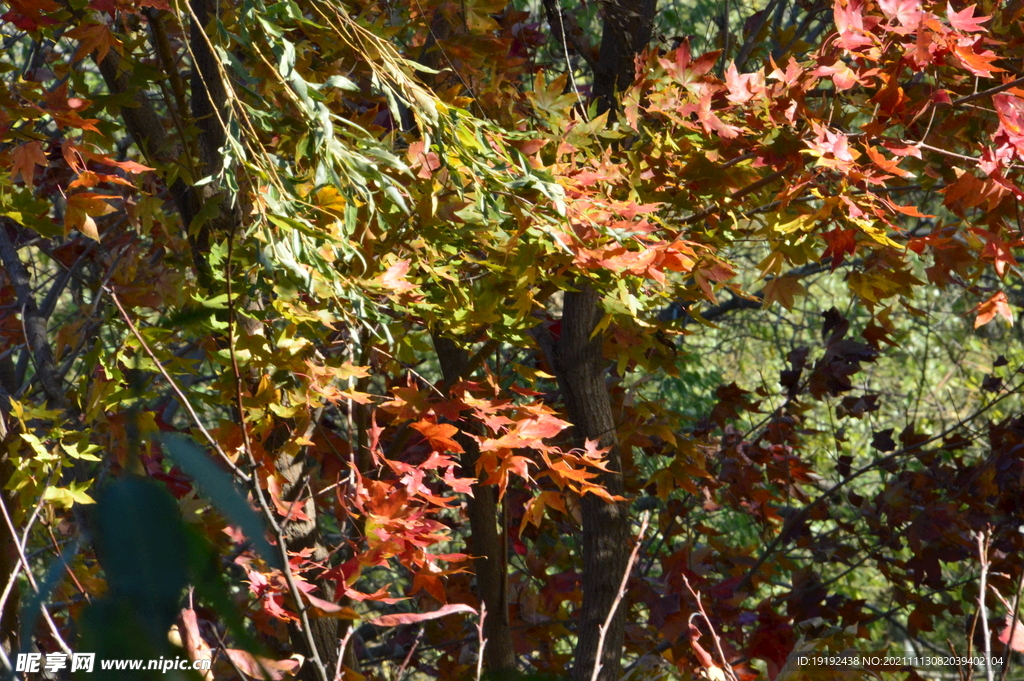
(33, 321)
(991, 91)
(983, 543)
(618, 597)
(182, 398)
(408, 656)
(482, 641)
(31, 578)
(1015, 624)
(726, 667)
(341, 652)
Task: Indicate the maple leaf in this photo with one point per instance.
(684, 69)
(88, 179)
(783, 290)
(393, 279)
(1010, 110)
(324, 608)
(193, 642)
(842, 75)
(93, 38)
(126, 166)
(852, 25)
(997, 304)
(439, 435)
(998, 251)
(24, 160)
(552, 99)
(80, 210)
(964, 20)
(977, 62)
(906, 12)
(745, 87)
(840, 243)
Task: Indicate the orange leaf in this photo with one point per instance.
(193, 642)
(260, 667)
(394, 278)
(24, 160)
(80, 210)
(998, 304)
(783, 290)
(413, 617)
(439, 435)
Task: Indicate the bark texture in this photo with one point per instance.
(626, 30)
(581, 370)
(487, 547)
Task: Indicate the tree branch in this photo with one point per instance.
(33, 320)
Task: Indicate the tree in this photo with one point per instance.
(330, 334)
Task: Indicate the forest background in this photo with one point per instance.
(435, 339)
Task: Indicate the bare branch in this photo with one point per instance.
(619, 596)
(33, 320)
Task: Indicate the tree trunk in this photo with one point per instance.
(305, 534)
(581, 369)
(625, 33)
(489, 559)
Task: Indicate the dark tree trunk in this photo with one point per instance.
(626, 30)
(581, 370)
(485, 544)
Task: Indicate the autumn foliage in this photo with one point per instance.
(357, 340)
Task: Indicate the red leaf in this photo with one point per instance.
(1017, 642)
(193, 642)
(965, 20)
(413, 617)
(323, 608)
(841, 242)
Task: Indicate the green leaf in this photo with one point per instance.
(217, 486)
(140, 542)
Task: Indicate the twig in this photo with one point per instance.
(482, 641)
(726, 667)
(983, 542)
(341, 652)
(603, 631)
(408, 656)
(182, 398)
(31, 578)
(991, 91)
(1015, 623)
